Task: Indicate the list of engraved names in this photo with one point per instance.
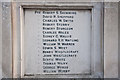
(63, 40)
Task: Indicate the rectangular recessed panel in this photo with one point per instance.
(57, 41)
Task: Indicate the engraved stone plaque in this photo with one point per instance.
(57, 41)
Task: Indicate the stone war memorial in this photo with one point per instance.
(59, 39)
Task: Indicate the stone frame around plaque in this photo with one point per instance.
(96, 34)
